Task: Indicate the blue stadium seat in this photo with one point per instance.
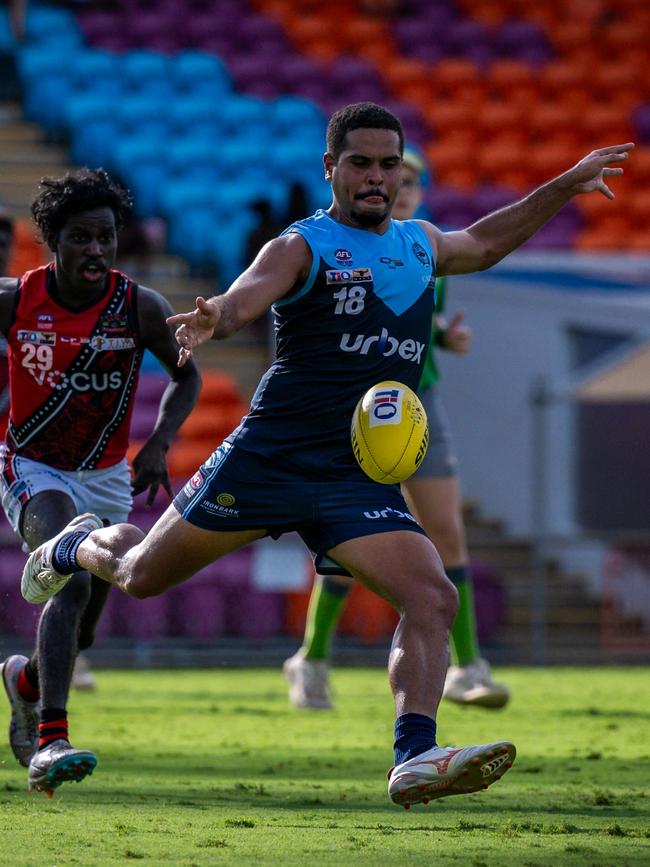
(47, 24)
(7, 39)
(294, 116)
(140, 68)
(196, 115)
(244, 116)
(136, 111)
(192, 153)
(198, 70)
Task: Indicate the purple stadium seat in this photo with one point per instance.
(491, 198)
(143, 420)
(143, 619)
(522, 40)
(450, 207)
(254, 614)
(465, 34)
(415, 126)
(151, 387)
(17, 617)
(641, 121)
(198, 611)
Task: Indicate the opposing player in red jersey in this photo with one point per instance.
(76, 331)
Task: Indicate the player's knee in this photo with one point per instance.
(141, 584)
(437, 598)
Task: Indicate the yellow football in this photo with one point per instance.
(389, 432)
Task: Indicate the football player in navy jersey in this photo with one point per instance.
(435, 498)
(353, 298)
(76, 331)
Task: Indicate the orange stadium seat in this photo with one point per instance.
(620, 81)
(638, 241)
(610, 236)
(453, 116)
(490, 12)
(404, 72)
(506, 165)
(549, 160)
(638, 203)
(560, 77)
(28, 252)
(455, 78)
(552, 121)
(455, 164)
(219, 387)
(184, 458)
(618, 37)
(512, 80)
(607, 124)
(504, 120)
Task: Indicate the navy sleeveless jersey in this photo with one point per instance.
(363, 316)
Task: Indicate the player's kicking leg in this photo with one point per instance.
(405, 567)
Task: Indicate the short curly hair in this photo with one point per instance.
(359, 115)
(80, 190)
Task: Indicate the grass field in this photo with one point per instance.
(214, 767)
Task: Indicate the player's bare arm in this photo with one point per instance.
(8, 290)
(281, 265)
(150, 465)
(487, 241)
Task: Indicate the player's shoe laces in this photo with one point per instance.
(308, 682)
(473, 684)
(82, 676)
(59, 763)
(439, 772)
(23, 725)
(40, 581)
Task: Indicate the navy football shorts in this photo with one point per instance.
(239, 490)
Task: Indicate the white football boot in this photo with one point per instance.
(473, 685)
(23, 725)
(443, 771)
(82, 677)
(308, 682)
(39, 581)
(59, 763)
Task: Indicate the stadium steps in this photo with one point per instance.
(24, 159)
(573, 629)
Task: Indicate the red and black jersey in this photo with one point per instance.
(73, 373)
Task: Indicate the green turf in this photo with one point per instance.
(214, 767)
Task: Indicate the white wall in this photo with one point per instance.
(520, 314)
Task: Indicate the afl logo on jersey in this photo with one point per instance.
(343, 256)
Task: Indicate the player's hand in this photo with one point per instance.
(590, 173)
(150, 471)
(194, 328)
(457, 335)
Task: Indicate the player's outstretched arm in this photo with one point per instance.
(487, 241)
(281, 265)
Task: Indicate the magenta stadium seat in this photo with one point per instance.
(143, 420)
(254, 614)
(198, 611)
(641, 122)
(17, 617)
(142, 619)
(151, 387)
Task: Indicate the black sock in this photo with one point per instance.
(414, 734)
